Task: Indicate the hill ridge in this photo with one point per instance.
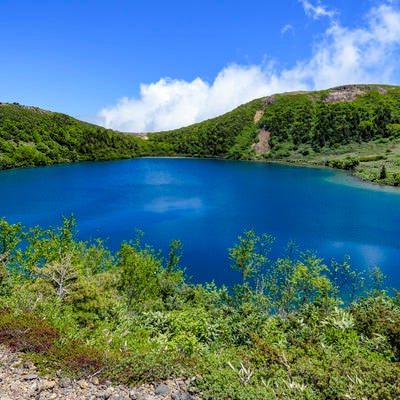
(354, 127)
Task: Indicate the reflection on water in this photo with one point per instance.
(165, 204)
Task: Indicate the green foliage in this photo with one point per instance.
(382, 173)
(296, 328)
(250, 255)
(10, 237)
(30, 137)
(138, 280)
(229, 135)
(349, 163)
(311, 119)
(346, 281)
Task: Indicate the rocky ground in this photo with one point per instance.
(19, 379)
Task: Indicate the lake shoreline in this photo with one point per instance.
(303, 164)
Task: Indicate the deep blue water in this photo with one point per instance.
(207, 203)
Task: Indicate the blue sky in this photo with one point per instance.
(143, 66)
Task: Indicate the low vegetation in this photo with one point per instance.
(295, 327)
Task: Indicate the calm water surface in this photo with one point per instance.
(207, 204)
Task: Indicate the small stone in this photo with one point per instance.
(118, 397)
(29, 377)
(34, 387)
(65, 383)
(133, 395)
(192, 390)
(16, 364)
(95, 380)
(28, 365)
(162, 390)
(47, 385)
(14, 386)
(108, 392)
(82, 384)
(187, 396)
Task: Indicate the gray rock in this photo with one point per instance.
(162, 390)
(46, 384)
(133, 394)
(139, 396)
(182, 396)
(187, 396)
(29, 377)
(65, 383)
(118, 397)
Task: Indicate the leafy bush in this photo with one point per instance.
(284, 332)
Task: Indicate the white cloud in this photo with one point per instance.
(316, 12)
(287, 28)
(171, 103)
(367, 54)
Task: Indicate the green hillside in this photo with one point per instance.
(30, 136)
(228, 136)
(354, 127)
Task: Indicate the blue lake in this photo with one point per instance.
(207, 203)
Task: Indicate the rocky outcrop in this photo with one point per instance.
(20, 379)
(262, 145)
(345, 93)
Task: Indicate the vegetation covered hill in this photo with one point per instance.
(295, 328)
(354, 127)
(227, 136)
(30, 136)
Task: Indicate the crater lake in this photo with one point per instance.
(207, 204)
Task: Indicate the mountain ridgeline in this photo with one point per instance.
(353, 127)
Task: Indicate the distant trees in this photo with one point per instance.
(309, 119)
(33, 137)
(229, 135)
